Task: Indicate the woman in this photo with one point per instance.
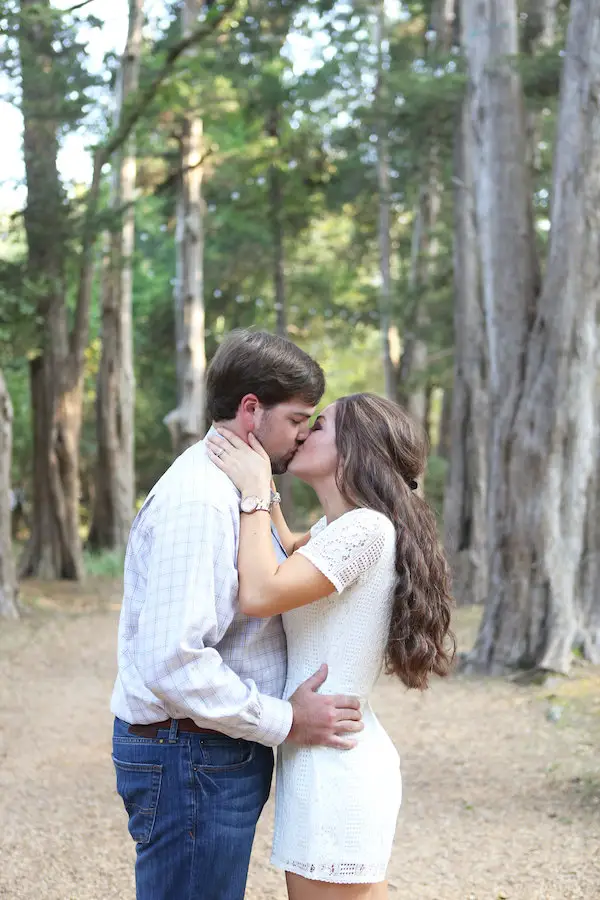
(368, 586)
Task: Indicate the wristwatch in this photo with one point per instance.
(252, 504)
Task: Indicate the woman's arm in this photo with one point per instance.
(330, 562)
(290, 540)
(267, 587)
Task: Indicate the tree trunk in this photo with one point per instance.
(277, 234)
(412, 388)
(8, 581)
(389, 335)
(54, 549)
(587, 639)
(425, 245)
(542, 354)
(115, 399)
(466, 485)
(444, 447)
(186, 423)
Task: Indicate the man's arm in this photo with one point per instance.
(191, 593)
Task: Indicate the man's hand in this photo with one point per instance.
(323, 719)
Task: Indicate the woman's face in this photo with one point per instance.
(317, 457)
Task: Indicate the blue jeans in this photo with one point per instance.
(193, 802)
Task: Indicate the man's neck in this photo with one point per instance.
(234, 426)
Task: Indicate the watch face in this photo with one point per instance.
(248, 504)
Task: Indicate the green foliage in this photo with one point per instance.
(311, 116)
(435, 481)
(108, 564)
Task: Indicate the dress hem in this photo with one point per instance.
(315, 875)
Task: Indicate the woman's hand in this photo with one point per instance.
(247, 465)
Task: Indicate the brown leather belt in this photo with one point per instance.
(152, 730)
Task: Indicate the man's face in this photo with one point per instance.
(281, 430)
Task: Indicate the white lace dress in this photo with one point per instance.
(336, 810)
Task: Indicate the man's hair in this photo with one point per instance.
(256, 362)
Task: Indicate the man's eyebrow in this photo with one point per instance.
(302, 415)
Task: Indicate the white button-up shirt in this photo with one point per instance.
(185, 649)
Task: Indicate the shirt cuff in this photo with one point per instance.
(275, 721)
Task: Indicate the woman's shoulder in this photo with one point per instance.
(360, 522)
(351, 545)
(370, 515)
(318, 527)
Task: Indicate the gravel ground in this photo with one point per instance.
(501, 801)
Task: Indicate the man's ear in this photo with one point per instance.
(247, 410)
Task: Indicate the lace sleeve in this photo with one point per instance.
(348, 547)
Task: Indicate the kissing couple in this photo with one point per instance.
(237, 636)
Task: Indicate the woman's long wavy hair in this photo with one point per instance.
(382, 453)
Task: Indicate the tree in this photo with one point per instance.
(541, 339)
(388, 331)
(465, 499)
(587, 638)
(50, 59)
(114, 493)
(8, 582)
(187, 422)
(276, 209)
(425, 244)
(54, 549)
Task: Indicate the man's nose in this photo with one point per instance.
(303, 433)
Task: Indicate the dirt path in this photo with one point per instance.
(500, 801)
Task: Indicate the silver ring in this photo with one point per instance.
(219, 453)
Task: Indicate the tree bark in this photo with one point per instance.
(8, 580)
(115, 399)
(542, 349)
(587, 639)
(186, 423)
(466, 485)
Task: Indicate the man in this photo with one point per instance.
(197, 696)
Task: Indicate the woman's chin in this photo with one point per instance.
(296, 469)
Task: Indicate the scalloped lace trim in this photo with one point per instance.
(351, 873)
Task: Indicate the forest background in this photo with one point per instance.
(409, 190)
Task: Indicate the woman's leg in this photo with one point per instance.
(300, 888)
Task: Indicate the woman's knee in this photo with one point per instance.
(300, 888)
